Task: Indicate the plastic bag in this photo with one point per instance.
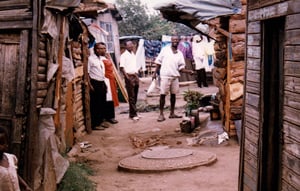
(151, 87)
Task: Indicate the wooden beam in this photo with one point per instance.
(220, 30)
(85, 53)
(69, 134)
(59, 73)
(32, 138)
(227, 103)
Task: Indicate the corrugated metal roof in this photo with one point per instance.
(193, 12)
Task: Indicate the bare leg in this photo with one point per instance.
(172, 101)
(162, 101)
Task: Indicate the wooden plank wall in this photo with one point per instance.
(291, 108)
(290, 164)
(252, 102)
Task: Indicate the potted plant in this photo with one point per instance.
(192, 99)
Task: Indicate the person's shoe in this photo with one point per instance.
(112, 121)
(98, 128)
(161, 118)
(105, 124)
(135, 118)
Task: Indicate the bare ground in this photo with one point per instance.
(115, 143)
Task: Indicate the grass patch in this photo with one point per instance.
(76, 178)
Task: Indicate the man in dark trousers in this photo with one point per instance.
(98, 91)
(129, 68)
(112, 100)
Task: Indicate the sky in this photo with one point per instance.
(149, 3)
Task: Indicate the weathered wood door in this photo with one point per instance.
(13, 75)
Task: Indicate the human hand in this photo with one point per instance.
(154, 76)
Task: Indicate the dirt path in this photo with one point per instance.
(114, 144)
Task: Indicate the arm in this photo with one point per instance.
(187, 71)
(124, 73)
(89, 84)
(156, 71)
(89, 78)
(182, 67)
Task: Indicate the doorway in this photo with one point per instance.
(272, 103)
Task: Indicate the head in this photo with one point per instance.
(3, 141)
(129, 45)
(100, 49)
(174, 41)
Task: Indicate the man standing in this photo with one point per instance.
(200, 58)
(128, 66)
(112, 100)
(170, 62)
(186, 48)
(98, 88)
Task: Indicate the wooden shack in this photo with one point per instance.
(270, 157)
(44, 52)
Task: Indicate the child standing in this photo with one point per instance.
(9, 178)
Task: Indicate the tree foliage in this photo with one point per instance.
(138, 21)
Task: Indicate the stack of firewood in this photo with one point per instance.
(76, 53)
(229, 71)
(42, 84)
(78, 105)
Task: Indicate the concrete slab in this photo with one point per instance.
(166, 159)
(166, 153)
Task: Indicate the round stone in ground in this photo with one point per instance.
(167, 159)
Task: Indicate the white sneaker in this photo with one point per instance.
(139, 115)
(136, 118)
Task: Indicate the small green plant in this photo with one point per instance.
(192, 99)
(76, 178)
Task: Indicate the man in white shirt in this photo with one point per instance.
(129, 68)
(98, 91)
(170, 62)
(200, 58)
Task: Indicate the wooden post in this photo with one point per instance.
(59, 73)
(69, 134)
(85, 54)
(33, 129)
(227, 103)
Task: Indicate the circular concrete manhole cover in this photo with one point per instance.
(166, 153)
(167, 159)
